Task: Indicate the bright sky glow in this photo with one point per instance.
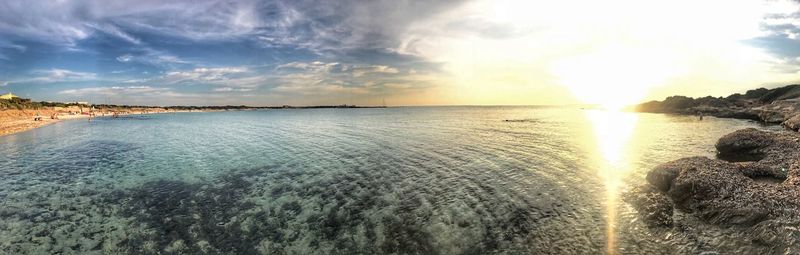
(611, 53)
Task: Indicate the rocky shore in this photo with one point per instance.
(748, 195)
(752, 188)
(775, 106)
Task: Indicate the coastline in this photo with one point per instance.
(771, 106)
(752, 185)
(14, 121)
(17, 121)
(21, 124)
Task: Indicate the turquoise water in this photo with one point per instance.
(423, 180)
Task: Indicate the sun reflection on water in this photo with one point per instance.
(612, 131)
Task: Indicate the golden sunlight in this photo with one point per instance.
(610, 53)
(615, 76)
(613, 130)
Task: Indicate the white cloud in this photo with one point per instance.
(315, 66)
(125, 58)
(509, 50)
(229, 89)
(203, 74)
(319, 78)
(115, 31)
(113, 91)
(359, 71)
(309, 24)
(335, 67)
(8, 46)
(153, 57)
(135, 81)
(238, 78)
(59, 75)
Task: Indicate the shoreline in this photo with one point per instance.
(751, 186)
(771, 106)
(18, 121)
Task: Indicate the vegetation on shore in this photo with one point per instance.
(775, 105)
(25, 104)
(749, 98)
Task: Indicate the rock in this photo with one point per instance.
(176, 246)
(766, 105)
(774, 149)
(743, 145)
(771, 116)
(760, 194)
(792, 123)
(654, 208)
(793, 174)
(661, 177)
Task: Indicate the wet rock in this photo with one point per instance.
(792, 123)
(654, 208)
(661, 177)
(177, 246)
(757, 194)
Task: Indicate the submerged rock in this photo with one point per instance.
(654, 207)
(753, 186)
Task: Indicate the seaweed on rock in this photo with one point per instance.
(760, 197)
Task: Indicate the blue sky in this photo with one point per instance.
(359, 52)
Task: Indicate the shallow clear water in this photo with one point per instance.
(426, 180)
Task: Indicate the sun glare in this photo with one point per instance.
(613, 131)
(610, 53)
(615, 76)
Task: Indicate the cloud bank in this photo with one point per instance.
(407, 52)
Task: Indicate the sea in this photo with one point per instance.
(396, 180)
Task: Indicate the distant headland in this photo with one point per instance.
(20, 114)
(777, 105)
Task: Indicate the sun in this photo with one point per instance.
(616, 76)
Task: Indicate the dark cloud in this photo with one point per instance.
(317, 25)
(179, 50)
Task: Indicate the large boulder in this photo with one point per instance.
(743, 145)
(753, 186)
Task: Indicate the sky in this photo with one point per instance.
(403, 52)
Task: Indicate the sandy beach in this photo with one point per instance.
(15, 121)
